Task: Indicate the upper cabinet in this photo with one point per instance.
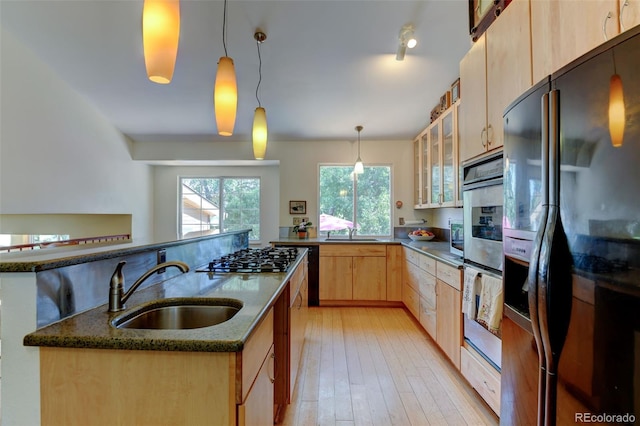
(564, 30)
(436, 176)
(494, 72)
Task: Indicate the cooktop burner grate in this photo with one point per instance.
(253, 260)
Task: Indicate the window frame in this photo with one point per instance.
(354, 199)
(221, 202)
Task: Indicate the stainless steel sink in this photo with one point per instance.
(179, 314)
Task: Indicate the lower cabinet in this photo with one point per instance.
(449, 321)
(104, 386)
(353, 272)
(257, 408)
(483, 378)
(431, 291)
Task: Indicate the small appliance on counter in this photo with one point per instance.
(456, 238)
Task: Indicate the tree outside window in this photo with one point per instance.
(221, 204)
(364, 199)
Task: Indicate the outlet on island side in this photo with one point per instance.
(162, 257)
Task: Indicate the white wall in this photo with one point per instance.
(298, 173)
(166, 196)
(58, 154)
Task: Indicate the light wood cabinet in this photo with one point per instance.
(436, 166)
(629, 14)
(394, 273)
(449, 320)
(481, 376)
(564, 30)
(298, 313)
(257, 408)
(353, 272)
(495, 71)
(159, 387)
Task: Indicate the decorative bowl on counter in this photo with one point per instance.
(421, 237)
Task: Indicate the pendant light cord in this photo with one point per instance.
(224, 28)
(259, 73)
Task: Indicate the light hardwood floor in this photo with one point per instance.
(376, 366)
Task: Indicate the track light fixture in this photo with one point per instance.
(406, 40)
(225, 92)
(260, 117)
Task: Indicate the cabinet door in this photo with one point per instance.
(473, 89)
(508, 42)
(434, 156)
(394, 273)
(424, 172)
(298, 324)
(563, 30)
(629, 14)
(448, 162)
(370, 278)
(417, 182)
(336, 276)
(449, 321)
(257, 408)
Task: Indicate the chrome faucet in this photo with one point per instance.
(117, 297)
(352, 232)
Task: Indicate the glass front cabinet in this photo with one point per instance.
(436, 165)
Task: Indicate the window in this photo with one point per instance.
(214, 205)
(350, 200)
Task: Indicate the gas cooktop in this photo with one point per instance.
(253, 260)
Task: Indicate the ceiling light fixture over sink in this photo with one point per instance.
(160, 37)
(225, 93)
(359, 167)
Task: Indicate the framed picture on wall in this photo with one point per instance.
(297, 207)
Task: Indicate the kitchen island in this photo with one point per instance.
(223, 374)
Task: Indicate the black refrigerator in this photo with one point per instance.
(571, 239)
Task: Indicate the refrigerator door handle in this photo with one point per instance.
(533, 277)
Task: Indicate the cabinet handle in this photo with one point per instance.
(625, 4)
(488, 387)
(489, 134)
(482, 136)
(272, 378)
(604, 26)
(300, 296)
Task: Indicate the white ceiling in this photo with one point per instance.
(327, 65)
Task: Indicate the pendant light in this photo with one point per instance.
(160, 37)
(359, 167)
(225, 94)
(616, 107)
(260, 116)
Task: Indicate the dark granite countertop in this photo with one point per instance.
(93, 329)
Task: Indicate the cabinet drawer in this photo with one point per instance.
(353, 250)
(412, 256)
(295, 282)
(428, 264)
(428, 290)
(483, 378)
(411, 300)
(449, 275)
(428, 317)
(412, 277)
(253, 354)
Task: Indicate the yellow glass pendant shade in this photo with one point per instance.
(160, 37)
(616, 111)
(259, 133)
(225, 96)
